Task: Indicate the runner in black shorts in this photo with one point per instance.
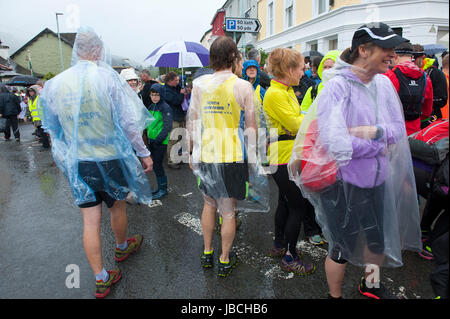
(233, 175)
(93, 173)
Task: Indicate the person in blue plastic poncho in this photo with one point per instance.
(96, 122)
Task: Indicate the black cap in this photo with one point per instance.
(404, 48)
(379, 33)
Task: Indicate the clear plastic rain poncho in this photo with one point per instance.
(361, 183)
(96, 121)
(225, 156)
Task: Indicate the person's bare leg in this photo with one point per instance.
(119, 221)
(91, 237)
(372, 271)
(208, 222)
(228, 229)
(335, 276)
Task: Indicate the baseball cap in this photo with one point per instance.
(404, 48)
(379, 33)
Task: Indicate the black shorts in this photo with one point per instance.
(99, 198)
(223, 180)
(106, 179)
(349, 210)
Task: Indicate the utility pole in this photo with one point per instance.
(59, 40)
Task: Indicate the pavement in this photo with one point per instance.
(42, 253)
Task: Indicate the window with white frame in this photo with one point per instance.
(323, 6)
(270, 17)
(320, 7)
(313, 46)
(332, 44)
(288, 13)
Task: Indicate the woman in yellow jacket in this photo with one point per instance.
(283, 114)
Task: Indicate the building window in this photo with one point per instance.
(289, 13)
(313, 46)
(333, 44)
(270, 19)
(320, 7)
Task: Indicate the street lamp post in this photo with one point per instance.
(59, 40)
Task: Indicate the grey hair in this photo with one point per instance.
(88, 44)
(254, 54)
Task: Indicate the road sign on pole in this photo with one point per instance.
(242, 25)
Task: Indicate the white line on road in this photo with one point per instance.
(190, 221)
(155, 203)
(267, 265)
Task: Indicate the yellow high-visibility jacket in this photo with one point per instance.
(33, 107)
(283, 113)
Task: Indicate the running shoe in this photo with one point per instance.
(297, 266)
(102, 288)
(375, 293)
(426, 252)
(277, 252)
(134, 243)
(207, 260)
(226, 268)
(316, 240)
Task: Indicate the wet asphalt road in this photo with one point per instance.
(41, 234)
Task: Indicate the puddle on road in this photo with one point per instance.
(30, 158)
(5, 185)
(48, 184)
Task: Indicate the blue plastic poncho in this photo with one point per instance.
(96, 121)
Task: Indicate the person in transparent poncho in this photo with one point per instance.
(96, 122)
(370, 212)
(223, 158)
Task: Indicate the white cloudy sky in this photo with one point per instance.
(131, 28)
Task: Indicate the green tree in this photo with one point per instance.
(48, 76)
(264, 56)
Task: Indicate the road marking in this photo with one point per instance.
(186, 195)
(267, 265)
(155, 203)
(401, 293)
(190, 221)
(314, 251)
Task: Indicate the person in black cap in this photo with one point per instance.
(413, 86)
(361, 126)
(438, 80)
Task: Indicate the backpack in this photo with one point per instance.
(431, 144)
(412, 94)
(315, 176)
(441, 179)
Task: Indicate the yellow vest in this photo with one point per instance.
(95, 126)
(33, 107)
(220, 116)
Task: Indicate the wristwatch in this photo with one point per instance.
(379, 133)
